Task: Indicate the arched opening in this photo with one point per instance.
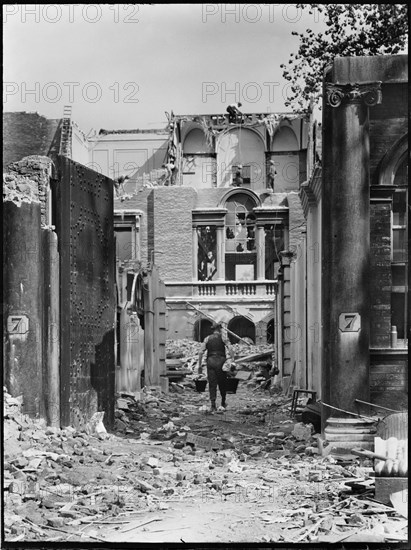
(202, 329)
(196, 143)
(270, 332)
(241, 151)
(243, 327)
(285, 140)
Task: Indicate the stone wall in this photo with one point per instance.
(26, 134)
(30, 289)
(170, 232)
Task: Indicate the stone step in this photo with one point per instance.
(350, 430)
(348, 437)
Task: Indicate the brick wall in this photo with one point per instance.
(389, 379)
(27, 134)
(380, 282)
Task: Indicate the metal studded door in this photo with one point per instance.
(84, 223)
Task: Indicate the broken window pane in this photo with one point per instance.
(124, 243)
(207, 252)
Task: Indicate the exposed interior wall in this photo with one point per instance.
(241, 146)
(199, 170)
(131, 153)
(289, 176)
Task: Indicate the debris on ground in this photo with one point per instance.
(167, 452)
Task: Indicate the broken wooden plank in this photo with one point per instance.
(254, 357)
(140, 525)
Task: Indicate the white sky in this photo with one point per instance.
(189, 58)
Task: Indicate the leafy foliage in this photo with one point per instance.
(352, 30)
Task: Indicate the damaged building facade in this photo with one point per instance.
(200, 207)
(317, 266)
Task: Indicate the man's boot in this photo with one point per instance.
(213, 406)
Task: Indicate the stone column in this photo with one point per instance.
(220, 254)
(346, 244)
(260, 253)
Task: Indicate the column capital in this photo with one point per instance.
(367, 92)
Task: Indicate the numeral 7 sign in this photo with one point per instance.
(17, 324)
(349, 322)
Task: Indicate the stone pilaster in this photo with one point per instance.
(195, 254)
(346, 243)
(220, 254)
(260, 253)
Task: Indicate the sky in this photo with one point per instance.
(123, 66)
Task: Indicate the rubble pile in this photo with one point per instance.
(63, 484)
(182, 358)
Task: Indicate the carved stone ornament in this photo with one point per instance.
(369, 93)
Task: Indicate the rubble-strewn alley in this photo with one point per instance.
(172, 471)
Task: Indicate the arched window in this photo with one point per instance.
(240, 238)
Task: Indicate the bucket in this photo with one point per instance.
(201, 385)
(231, 385)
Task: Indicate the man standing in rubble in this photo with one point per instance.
(215, 346)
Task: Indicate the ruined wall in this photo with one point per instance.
(30, 178)
(30, 322)
(170, 231)
(27, 134)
